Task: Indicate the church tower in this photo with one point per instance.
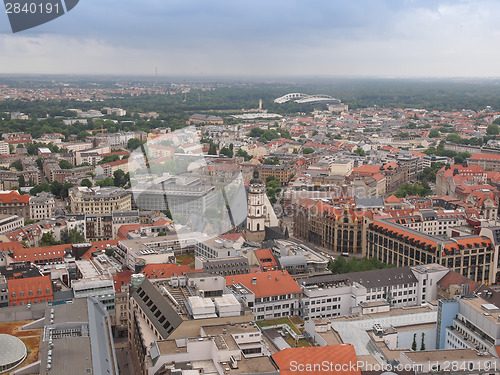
(256, 218)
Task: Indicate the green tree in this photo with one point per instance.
(72, 236)
(461, 157)
(242, 153)
(82, 135)
(55, 188)
(39, 188)
(422, 190)
(86, 182)
(21, 181)
(48, 239)
(109, 159)
(360, 151)
(110, 251)
(212, 150)
(162, 233)
(414, 344)
(108, 181)
(168, 214)
(64, 164)
(493, 129)
(227, 152)
(434, 133)
(65, 190)
(454, 138)
(18, 165)
(272, 161)
(422, 344)
(119, 177)
(134, 143)
(308, 150)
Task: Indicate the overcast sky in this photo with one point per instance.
(390, 38)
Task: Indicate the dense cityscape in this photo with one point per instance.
(153, 227)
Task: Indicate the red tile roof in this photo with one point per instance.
(454, 278)
(272, 283)
(232, 236)
(155, 271)
(29, 290)
(126, 228)
(14, 197)
(310, 360)
(367, 169)
(394, 199)
(266, 259)
(485, 157)
(11, 246)
(121, 279)
(118, 162)
(41, 254)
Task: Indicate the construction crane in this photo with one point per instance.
(99, 130)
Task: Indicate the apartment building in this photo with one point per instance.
(270, 295)
(335, 227)
(471, 256)
(489, 162)
(283, 173)
(99, 200)
(9, 223)
(13, 203)
(42, 206)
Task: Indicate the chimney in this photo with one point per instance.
(254, 280)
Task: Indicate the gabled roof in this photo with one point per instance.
(454, 278)
(394, 199)
(13, 197)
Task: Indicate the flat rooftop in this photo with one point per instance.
(488, 311)
(446, 355)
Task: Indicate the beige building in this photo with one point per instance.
(4, 148)
(342, 167)
(42, 206)
(99, 200)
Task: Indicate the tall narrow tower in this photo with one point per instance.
(256, 231)
(260, 104)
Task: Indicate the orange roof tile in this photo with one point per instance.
(341, 357)
(485, 157)
(154, 271)
(367, 169)
(29, 289)
(394, 199)
(14, 197)
(272, 283)
(232, 236)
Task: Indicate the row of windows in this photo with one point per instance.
(274, 307)
(325, 308)
(39, 292)
(41, 300)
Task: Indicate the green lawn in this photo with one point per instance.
(268, 323)
(302, 343)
